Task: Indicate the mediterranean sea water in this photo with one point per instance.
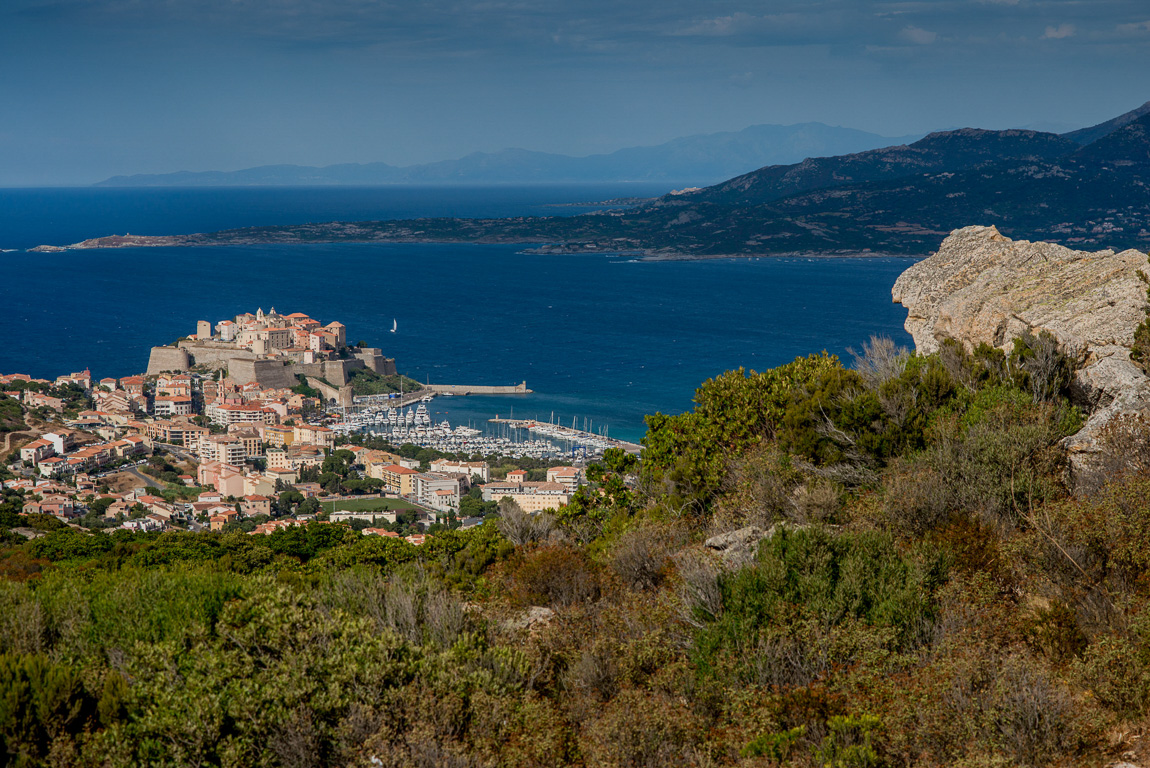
(600, 339)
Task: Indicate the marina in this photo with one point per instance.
(597, 442)
(400, 424)
(400, 417)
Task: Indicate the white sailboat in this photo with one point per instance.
(394, 325)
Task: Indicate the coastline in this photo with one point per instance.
(531, 246)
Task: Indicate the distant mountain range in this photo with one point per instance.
(700, 159)
(1089, 188)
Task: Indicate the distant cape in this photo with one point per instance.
(700, 159)
(1083, 189)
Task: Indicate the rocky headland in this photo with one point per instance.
(982, 287)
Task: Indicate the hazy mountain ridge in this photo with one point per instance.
(938, 152)
(898, 200)
(702, 158)
(1093, 133)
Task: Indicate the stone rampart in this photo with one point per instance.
(334, 371)
(310, 369)
(375, 361)
(330, 376)
(271, 374)
(341, 395)
(167, 359)
(215, 354)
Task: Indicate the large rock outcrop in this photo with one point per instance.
(984, 287)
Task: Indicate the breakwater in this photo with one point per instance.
(473, 389)
(570, 434)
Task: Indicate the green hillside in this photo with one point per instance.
(873, 566)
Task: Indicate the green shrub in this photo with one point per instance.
(555, 576)
(849, 743)
(997, 460)
(774, 746)
(1140, 351)
(1116, 669)
(805, 581)
(734, 412)
(42, 704)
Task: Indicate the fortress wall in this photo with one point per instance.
(167, 359)
(336, 371)
(342, 395)
(373, 358)
(242, 371)
(193, 344)
(309, 369)
(206, 355)
(269, 373)
(245, 366)
(276, 375)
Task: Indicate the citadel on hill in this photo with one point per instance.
(272, 350)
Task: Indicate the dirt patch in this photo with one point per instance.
(16, 440)
(123, 481)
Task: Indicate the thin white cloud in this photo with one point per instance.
(918, 35)
(720, 26)
(1061, 32)
(741, 23)
(1138, 28)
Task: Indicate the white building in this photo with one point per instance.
(172, 405)
(468, 468)
(438, 490)
(568, 477)
(226, 415)
(225, 449)
(531, 497)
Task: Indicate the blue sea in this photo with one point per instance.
(600, 339)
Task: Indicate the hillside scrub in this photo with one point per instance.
(916, 587)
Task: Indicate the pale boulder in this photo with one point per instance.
(984, 287)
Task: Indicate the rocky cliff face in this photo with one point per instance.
(983, 287)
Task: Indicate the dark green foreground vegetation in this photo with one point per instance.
(934, 597)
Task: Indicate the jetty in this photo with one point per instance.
(570, 434)
(477, 389)
(399, 400)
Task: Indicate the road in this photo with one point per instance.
(176, 450)
(134, 472)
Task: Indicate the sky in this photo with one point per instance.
(95, 88)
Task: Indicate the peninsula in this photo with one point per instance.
(1089, 188)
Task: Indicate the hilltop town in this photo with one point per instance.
(274, 351)
(226, 430)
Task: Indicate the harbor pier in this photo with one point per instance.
(478, 389)
(571, 434)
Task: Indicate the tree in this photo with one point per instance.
(289, 498)
(521, 527)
